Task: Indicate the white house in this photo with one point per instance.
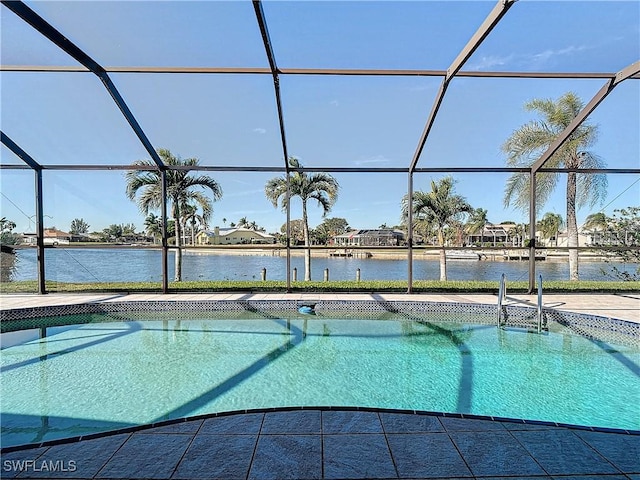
(52, 236)
(234, 236)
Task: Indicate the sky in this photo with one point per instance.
(330, 121)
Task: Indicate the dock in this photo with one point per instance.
(347, 253)
(509, 255)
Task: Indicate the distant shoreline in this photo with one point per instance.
(379, 254)
(323, 252)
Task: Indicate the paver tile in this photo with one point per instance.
(293, 421)
(78, 459)
(410, 423)
(147, 456)
(191, 426)
(334, 421)
(241, 424)
(620, 449)
(494, 453)
(426, 455)
(563, 452)
(15, 463)
(217, 456)
(279, 457)
(453, 424)
(357, 456)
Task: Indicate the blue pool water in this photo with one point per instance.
(108, 374)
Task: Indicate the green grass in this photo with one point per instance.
(425, 286)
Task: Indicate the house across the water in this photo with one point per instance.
(234, 236)
(51, 236)
(370, 238)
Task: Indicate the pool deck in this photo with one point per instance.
(622, 306)
(315, 443)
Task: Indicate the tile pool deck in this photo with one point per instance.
(335, 443)
(622, 306)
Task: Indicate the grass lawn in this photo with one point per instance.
(419, 286)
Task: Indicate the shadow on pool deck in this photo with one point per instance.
(337, 443)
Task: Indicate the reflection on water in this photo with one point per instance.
(111, 265)
(8, 266)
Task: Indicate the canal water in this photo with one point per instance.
(122, 265)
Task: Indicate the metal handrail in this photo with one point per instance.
(502, 294)
(540, 304)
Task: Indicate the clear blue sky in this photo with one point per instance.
(69, 118)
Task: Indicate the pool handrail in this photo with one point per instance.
(502, 294)
(540, 313)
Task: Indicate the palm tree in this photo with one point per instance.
(550, 224)
(440, 208)
(525, 146)
(181, 187)
(153, 226)
(596, 222)
(476, 223)
(320, 187)
(518, 232)
(191, 216)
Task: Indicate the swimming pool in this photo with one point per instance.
(113, 370)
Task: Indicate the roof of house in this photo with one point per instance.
(378, 232)
(54, 232)
(223, 232)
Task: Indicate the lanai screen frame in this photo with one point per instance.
(455, 70)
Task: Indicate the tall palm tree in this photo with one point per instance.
(525, 146)
(441, 208)
(550, 224)
(476, 223)
(321, 187)
(181, 190)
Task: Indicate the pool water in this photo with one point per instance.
(98, 376)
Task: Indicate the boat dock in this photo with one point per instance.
(347, 253)
(523, 255)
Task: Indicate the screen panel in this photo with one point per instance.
(356, 122)
(172, 33)
(478, 115)
(66, 119)
(536, 36)
(404, 35)
(223, 120)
